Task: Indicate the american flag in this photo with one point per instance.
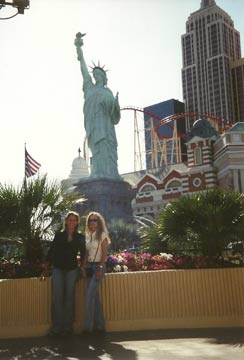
(31, 165)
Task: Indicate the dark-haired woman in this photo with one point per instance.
(63, 256)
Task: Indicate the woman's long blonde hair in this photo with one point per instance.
(101, 226)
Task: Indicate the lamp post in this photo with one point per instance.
(20, 5)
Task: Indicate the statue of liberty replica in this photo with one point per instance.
(104, 189)
(101, 113)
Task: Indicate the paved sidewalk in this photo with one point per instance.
(199, 344)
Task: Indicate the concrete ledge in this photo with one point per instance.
(204, 298)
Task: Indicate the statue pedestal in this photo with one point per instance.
(111, 198)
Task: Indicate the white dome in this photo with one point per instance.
(79, 169)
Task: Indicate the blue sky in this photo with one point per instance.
(139, 41)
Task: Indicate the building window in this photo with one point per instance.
(147, 188)
(236, 137)
(198, 156)
(174, 184)
(197, 182)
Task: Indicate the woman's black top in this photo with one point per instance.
(63, 253)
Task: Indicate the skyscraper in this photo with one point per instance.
(237, 69)
(210, 47)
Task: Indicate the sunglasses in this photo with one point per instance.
(94, 220)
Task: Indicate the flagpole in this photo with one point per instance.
(24, 166)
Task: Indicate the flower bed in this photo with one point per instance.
(123, 262)
(17, 269)
(126, 262)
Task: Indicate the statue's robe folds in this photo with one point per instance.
(100, 116)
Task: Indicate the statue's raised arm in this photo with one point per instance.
(79, 43)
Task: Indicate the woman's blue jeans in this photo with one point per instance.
(94, 318)
(63, 298)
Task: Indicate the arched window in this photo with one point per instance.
(147, 187)
(173, 184)
(198, 156)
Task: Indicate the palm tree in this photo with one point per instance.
(123, 235)
(203, 223)
(9, 207)
(33, 212)
(152, 240)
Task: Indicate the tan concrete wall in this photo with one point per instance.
(133, 301)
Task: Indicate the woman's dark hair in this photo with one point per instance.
(71, 213)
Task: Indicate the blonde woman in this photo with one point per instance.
(97, 242)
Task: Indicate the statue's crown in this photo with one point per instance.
(98, 67)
